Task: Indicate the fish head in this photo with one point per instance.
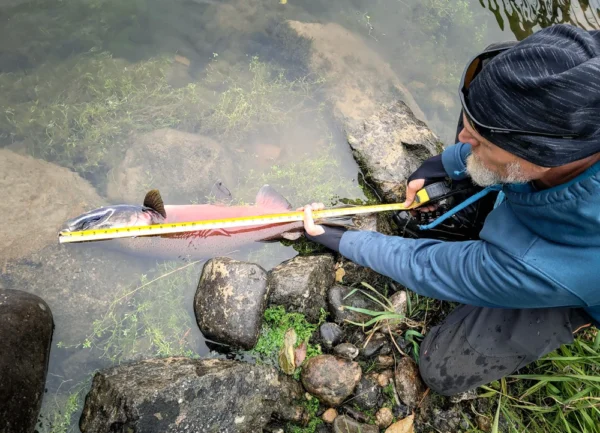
(117, 216)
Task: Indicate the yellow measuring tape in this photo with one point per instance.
(192, 226)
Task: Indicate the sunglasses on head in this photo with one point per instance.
(471, 71)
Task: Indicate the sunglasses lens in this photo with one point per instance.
(471, 72)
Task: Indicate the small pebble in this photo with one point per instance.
(329, 415)
(383, 379)
(384, 417)
(346, 350)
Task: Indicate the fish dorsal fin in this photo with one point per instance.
(270, 198)
(153, 200)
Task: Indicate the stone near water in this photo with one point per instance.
(346, 350)
(300, 284)
(384, 417)
(230, 301)
(383, 379)
(338, 299)
(409, 385)
(405, 425)
(26, 327)
(184, 395)
(367, 393)
(329, 415)
(390, 145)
(385, 361)
(331, 334)
(355, 274)
(330, 379)
(376, 345)
(345, 424)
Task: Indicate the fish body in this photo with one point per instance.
(192, 245)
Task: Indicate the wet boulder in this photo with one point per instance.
(37, 198)
(339, 297)
(230, 301)
(301, 284)
(390, 145)
(183, 166)
(185, 395)
(409, 385)
(330, 379)
(26, 327)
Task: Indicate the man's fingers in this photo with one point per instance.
(309, 223)
(411, 190)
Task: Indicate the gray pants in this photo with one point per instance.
(475, 346)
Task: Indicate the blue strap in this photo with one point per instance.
(461, 206)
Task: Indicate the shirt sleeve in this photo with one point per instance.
(470, 272)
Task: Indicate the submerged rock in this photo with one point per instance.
(25, 334)
(390, 145)
(330, 379)
(345, 424)
(182, 165)
(184, 395)
(338, 299)
(409, 385)
(230, 301)
(300, 284)
(37, 198)
(358, 79)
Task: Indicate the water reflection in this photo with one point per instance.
(524, 17)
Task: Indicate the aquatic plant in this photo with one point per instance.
(149, 320)
(80, 112)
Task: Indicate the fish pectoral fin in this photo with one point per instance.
(268, 197)
(154, 201)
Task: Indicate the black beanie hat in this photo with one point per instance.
(549, 82)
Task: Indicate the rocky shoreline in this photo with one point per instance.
(298, 348)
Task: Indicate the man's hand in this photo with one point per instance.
(309, 223)
(411, 192)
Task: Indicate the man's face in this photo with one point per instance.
(488, 164)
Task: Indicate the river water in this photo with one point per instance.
(85, 85)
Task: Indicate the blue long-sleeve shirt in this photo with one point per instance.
(538, 249)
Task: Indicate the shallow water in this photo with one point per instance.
(78, 79)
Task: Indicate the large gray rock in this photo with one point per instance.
(301, 284)
(37, 198)
(185, 395)
(390, 145)
(338, 299)
(330, 379)
(182, 165)
(25, 334)
(230, 301)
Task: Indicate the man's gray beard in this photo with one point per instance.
(483, 176)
